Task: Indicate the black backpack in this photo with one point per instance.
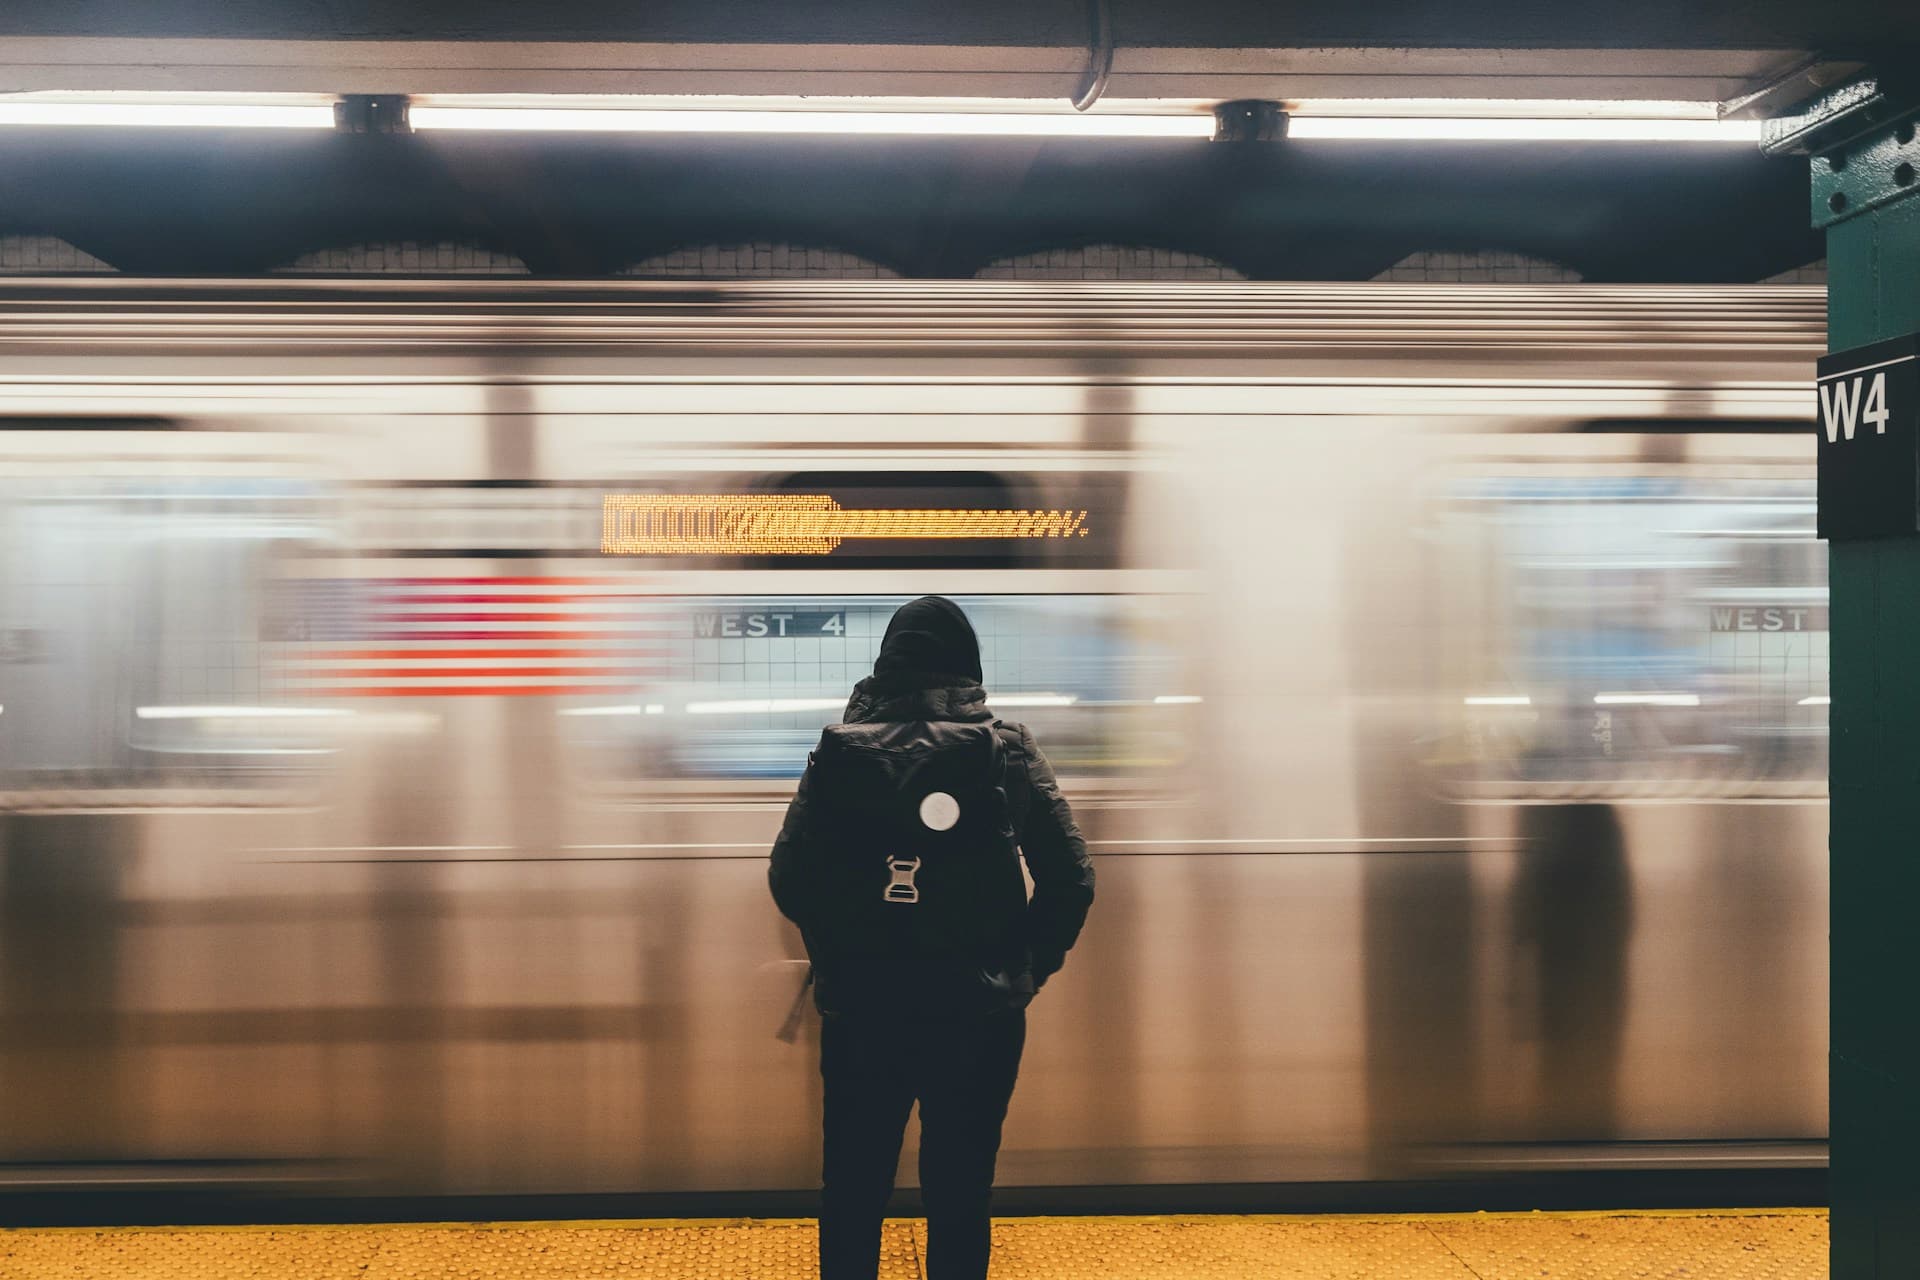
(919, 895)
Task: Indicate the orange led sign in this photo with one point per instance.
(741, 524)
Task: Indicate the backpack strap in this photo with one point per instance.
(790, 1028)
(1013, 756)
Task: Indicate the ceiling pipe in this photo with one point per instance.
(1099, 55)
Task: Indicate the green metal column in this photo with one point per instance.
(1864, 156)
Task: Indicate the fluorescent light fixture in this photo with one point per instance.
(1499, 700)
(1512, 108)
(655, 708)
(237, 713)
(750, 706)
(1384, 119)
(169, 110)
(1817, 700)
(1521, 129)
(1034, 700)
(426, 116)
(1646, 699)
(1175, 699)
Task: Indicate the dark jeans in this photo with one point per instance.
(961, 1072)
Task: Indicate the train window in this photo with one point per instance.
(132, 651)
(1643, 634)
(741, 686)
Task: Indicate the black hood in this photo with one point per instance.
(929, 637)
(928, 668)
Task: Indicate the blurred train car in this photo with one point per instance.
(400, 684)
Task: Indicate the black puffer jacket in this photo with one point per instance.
(934, 630)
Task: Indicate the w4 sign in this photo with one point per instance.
(1856, 398)
(1870, 440)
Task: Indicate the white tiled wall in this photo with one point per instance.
(1478, 268)
(1024, 645)
(1812, 273)
(407, 257)
(763, 260)
(28, 255)
(1109, 262)
(33, 255)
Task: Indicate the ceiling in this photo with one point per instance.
(244, 201)
(232, 202)
(1196, 48)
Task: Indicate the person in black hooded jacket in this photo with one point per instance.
(958, 1061)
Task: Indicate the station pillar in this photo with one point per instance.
(1861, 144)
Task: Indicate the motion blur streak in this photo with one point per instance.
(1440, 679)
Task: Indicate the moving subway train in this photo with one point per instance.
(401, 683)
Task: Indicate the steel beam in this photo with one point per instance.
(1863, 152)
(990, 67)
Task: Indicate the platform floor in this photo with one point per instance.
(1772, 1244)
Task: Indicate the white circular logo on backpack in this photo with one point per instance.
(940, 811)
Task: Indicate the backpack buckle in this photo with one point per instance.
(902, 888)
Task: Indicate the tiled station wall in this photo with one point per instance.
(46, 255)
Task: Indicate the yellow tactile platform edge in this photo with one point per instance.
(1722, 1245)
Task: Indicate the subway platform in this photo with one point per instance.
(1762, 1244)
